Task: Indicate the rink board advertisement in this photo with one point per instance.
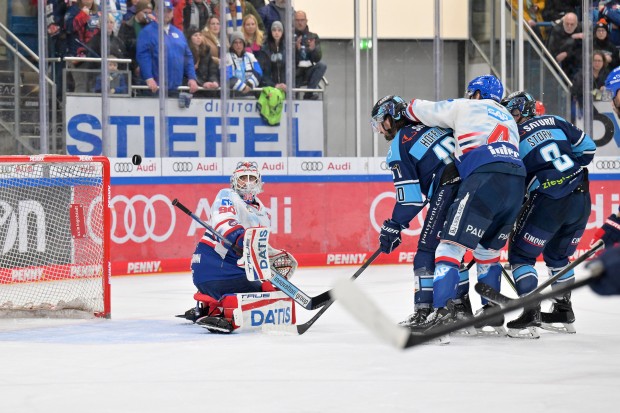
(326, 212)
(192, 132)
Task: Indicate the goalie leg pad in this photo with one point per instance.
(251, 310)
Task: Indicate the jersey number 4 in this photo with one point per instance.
(499, 134)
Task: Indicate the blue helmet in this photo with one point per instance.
(489, 86)
(521, 101)
(391, 105)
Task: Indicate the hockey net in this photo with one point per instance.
(54, 236)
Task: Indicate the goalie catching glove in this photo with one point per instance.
(390, 235)
(282, 262)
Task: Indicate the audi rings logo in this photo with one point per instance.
(608, 164)
(157, 215)
(376, 220)
(312, 166)
(384, 166)
(123, 167)
(182, 166)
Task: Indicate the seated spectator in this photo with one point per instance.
(118, 80)
(242, 69)
(207, 73)
(565, 44)
(129, 32)
(179, 59)
(274, 10)
(556, 9)
(310, 70)
(195, 15)
(274, 69)
(532, 14)
(601, 42)
(253, 36)
(600, 70)
(236, 10)
(211, 34)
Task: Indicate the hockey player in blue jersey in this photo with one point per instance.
(490, 193)
(556, 212)
(420, 159)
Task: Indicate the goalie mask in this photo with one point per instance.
(246, 181)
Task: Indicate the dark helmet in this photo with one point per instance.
(489, 86)
(393, 106)
(521, 101)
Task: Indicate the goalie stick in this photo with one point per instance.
(302, 328)
(369, 314)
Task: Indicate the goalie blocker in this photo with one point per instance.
(261, 260)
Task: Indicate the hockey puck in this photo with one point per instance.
(136, 159)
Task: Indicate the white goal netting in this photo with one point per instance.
(54, 241)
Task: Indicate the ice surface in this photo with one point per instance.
(145, 360)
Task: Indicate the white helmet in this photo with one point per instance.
(246, 180)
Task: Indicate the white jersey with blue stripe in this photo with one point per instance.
(228, 212)
(485, 131)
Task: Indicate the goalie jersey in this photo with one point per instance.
(417, 158)
(554, 152)
(230, 216)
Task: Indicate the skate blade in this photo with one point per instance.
(216, 330)
(559, 328)
(491, 331)
(528, 332)
(469, 331)
(442, 341)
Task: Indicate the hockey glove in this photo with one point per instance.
(390, 236)
(609, 232)
(609, 281)
(236, 239)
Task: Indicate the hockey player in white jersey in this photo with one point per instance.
(490, 194)
(216, 267)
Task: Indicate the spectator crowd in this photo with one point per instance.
(255, 49)
(558, 24)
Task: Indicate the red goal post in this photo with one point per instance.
(55, 236)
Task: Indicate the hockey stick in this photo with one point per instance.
(509, 279)
(302, 328)
(282, 283)
(369, 314)
(598, 245)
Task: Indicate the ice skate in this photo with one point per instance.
(193, 314)
(439, 317)
(217, 325)
(525, 325)
(463, 311)
(418, 317)
(560, 317)
(492, 327)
